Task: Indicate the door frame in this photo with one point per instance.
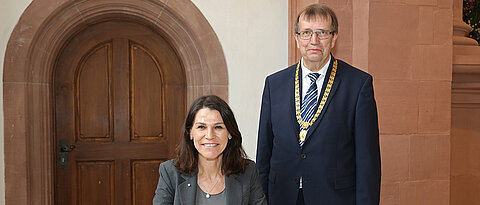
(44, 27)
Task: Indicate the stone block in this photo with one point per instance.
(429, 157)
(393, 24)
(395, 151)
(425, 25)
(434, 107)
(397, 106)
(390, 194)
(391, 62)
(432, 62)
(465, 189)
(443, 25)
(465, 142)
(434, 192)
(422, 2)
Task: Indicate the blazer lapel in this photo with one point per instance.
(336, 82)
(187, 189)
(234, 190)
(291, 99)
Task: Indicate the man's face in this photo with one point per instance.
(315, 51)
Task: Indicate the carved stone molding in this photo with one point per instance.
(466, 77)
(460, 28)
(460, 31)
(466, 63)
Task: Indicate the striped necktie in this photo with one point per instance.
(309, 102)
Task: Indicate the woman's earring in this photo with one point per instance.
(229, 137)
(191, 138)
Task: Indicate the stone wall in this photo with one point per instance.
(407, 46)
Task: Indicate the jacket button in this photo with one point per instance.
(303, 156)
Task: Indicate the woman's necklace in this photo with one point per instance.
(207, 195)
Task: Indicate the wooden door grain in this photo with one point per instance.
(120, 98)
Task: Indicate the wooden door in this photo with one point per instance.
(120, 98)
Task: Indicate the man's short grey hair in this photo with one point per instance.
(314, 11)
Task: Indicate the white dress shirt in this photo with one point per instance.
(306, 80)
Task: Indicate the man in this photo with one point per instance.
(318, 132)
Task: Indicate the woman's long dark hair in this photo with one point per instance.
(234, 157)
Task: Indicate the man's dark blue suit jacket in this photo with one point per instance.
(340, 160)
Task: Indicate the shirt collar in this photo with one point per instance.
(322, 71)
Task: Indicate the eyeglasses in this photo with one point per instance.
(321, 34)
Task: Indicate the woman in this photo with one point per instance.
(211, 166)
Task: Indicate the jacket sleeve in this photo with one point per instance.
(257, 197)
(265, 139)
(367, 151)
(165, 192)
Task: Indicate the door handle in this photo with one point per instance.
(63, 150)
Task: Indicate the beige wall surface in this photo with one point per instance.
(253, 35)
(10, 12)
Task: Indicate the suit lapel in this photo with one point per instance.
(336, 82)
(187, 189)
(234, 190)
(291, 99)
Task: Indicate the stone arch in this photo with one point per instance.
(29, 61)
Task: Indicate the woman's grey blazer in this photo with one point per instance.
(179, 189)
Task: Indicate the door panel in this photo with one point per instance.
(116, 83)
(147, 95)
(143, 172)
(93, 99)
(95, 181)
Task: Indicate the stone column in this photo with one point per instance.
(460, 28)
(465, 133)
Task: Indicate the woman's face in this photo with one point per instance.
(209, 134)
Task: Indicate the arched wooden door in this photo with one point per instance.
(120, 97)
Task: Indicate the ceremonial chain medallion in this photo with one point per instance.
(305, 125)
